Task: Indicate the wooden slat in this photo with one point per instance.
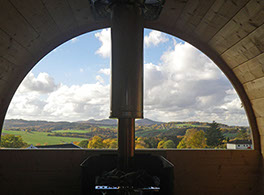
(250, 70)
(192, 14)
(38, 16)
(247, 20)
(82, 11)
(15, 25)
(218, 15)
(255, 89)
(246, 49)
(169, 14)
(13, 51)
(6, 68)
(62, 14)
(260, 121)
(195, 171)
(258, 107)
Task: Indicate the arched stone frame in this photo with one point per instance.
(19, 75)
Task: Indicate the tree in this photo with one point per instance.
(214, 135)
(243, 135)
(12, 141)
(113, 144)
(96, 142)
(166, 144)
(161, 143)
(83, 143)
(169, 144)
(151, 142)
(193, 139)
(139, 143)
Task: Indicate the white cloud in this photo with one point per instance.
(155, 38)
(43, 83)
(187, 85)
(72, 103)
(105, 71)
(79, 102)
(105, 38)
(81, 70)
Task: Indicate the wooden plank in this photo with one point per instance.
(260, 122)
(13, 51)
(192, 14)
(15, 25)
(246, 21)
(246, 49)
(262, 144)
(82, 11)
(255, 88)
(218, 15)
(258, 107)
(6, 68)
(38, 16)
(250, 70)
(169, 14)
(62, 14)
(192, 170)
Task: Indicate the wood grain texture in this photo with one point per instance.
(245, 50)
(219, 14)
(250, 70)
(196, 171)
(243, 23)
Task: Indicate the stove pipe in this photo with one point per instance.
(127, 76)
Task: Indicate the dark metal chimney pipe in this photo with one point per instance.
(127, 76)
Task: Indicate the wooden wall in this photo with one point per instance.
(196, 172)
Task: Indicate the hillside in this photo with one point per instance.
(12, 124)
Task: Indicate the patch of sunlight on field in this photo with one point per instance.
(42, 138)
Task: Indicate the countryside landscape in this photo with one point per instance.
(103, 134)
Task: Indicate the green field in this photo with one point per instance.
(230, 135)
(71, 131)
(42, 138)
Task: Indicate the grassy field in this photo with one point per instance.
(71, 131)
(42, 138)
(230, 135)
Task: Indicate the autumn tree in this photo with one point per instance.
(151, 142)
(96, 142)
(113, 144)
(161, 143)
(214, 136)
(243, 135)
(12, 141)
(166, 144)
(139, 143)
(83, 143)
(169, 144)
(193, 139)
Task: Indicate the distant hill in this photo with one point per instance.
(103, 122)
(49, 125)
(146, 121)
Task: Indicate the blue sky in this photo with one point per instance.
(71, 83)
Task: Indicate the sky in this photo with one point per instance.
(72, 83)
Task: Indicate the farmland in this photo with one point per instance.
(42, 138)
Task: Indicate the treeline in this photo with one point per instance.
(212, 137)
(104, 133)
(140, 142)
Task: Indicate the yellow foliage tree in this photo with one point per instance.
(193, 139)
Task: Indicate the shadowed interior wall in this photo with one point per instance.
(196, 171)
